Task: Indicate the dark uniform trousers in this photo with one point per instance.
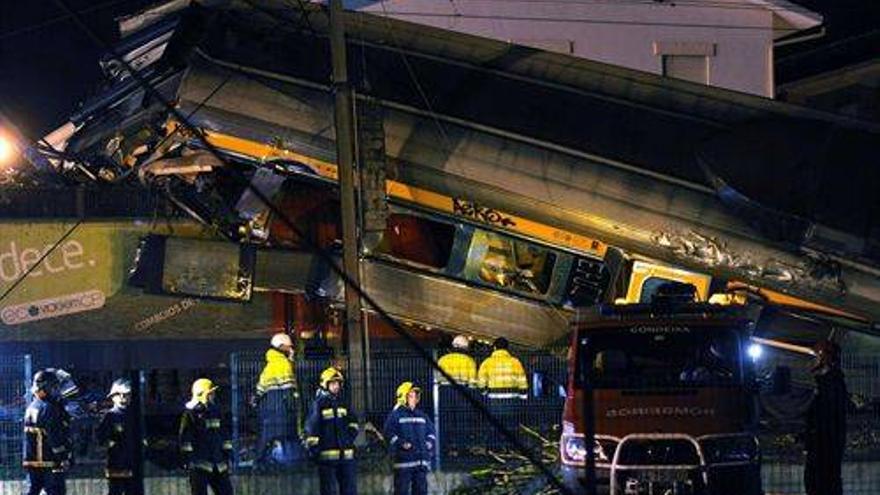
(53, 482)
(199, 480)
(411, 481)
(330, 432)
(338, 477)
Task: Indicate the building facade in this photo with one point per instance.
(723, 43)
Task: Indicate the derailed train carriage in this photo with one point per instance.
(494, 209)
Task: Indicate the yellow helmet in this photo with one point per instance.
(331, 374)
(201, 388)
(403, 390)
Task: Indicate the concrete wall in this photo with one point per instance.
(740, 35)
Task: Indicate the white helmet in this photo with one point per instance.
(461, 342)
(281, 339)
(120, 387)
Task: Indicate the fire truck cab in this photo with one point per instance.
(669, 391)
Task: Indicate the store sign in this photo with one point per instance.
(52, 307)
(76, 275)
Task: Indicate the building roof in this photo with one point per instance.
(790, 15)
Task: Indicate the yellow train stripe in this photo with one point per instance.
(418, 196)
(460, 208)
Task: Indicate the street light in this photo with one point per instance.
(8, 150)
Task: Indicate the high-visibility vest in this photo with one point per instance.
(503, 376)
(461, 367)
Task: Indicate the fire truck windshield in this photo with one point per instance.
(665, 357)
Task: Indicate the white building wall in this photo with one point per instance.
(623, 32)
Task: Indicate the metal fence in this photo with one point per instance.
(469, 449)
(15, 373)
(465, 434)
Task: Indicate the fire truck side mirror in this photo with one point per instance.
(781, 382)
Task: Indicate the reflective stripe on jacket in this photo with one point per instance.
(331, 428)
(405, 426)
(117, 432)
(503, 374)
(278, 398)
(278, 374)
(204, 441)
(461, 367)
(47, 434)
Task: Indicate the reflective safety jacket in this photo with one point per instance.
(278, 397)
(47, 435)
(278, 374)
(504, 376)
(204, 441)
(331, 428)
(461, 367)
(117, 431)
(411, 437)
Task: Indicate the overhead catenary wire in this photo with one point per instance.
(321, 253)
(414, 78)
(42, 258)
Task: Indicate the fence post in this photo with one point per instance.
(28, 368)
(233, 378)
(436, 389)
(28, 373)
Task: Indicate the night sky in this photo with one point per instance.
(48, 66)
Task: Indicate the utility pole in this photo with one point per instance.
(345, 147)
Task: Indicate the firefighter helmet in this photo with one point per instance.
(45, 380)
(120, 387)
(330, 374)
(201, 389)
(404, 389)
(281, 339)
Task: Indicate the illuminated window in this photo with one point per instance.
(506, 262)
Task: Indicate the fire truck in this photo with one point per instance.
(663, 384)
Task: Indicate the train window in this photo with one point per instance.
(418, 239)
(506, 262)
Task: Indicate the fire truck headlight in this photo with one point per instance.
(755, 351)
(632, 487)
(574, 449)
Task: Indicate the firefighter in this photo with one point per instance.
(412, 440)
(458, 364)
(277, 399)
(502, 375)
(331, 429)
(204, 442)
(47, 449)
(118, 431)
(825, 436)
